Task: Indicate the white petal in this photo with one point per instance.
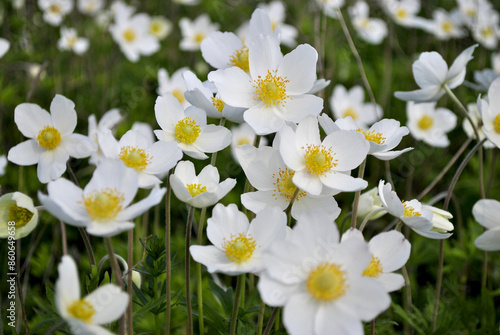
(109, 302)
(299, 67)
(78, 146)
(257, 201)
(430, 69)
(456, 74)
(52, 165)
(213, 138)
(264, 120)
(224, 223)
(489, 240)
(299, 314)
(334, 319)
(133, 211)
(168, 111)
(108, 228)
(392, 249)
(292, 157)
(308, 182)
(165, 156)
(272, 292)
(31, 118)
(391, 281)
(25, 153)
(343, 182)
(298, 107)
(218, 47)
(487, 212)
(263, 54)
(215, 260)
(63, 114)
(259, 165)
(310, 203)
(67, 288)
(429, 93)
(269, 225)
(366, 298)
(234, 86)
(350, 148)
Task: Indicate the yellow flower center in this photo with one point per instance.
(186, 130)
(327, 282)
(447, 26)
(285, 186)
(470, 12)
(487, 32)
(198, 37)
(401, 13)
(351, 112)
(135, 158)
(20, 215)
(49, 137)
(240, 248)
(374, 269)
(155, 28)
(272, 89)
(425, 122)
(244, 140)
(72, 41)
(179, 94)
(496, 123)
(129, 35)
(319, 159)
(103, 205)
(373, 136)
(218, 104)
(195, 189)
(55, 9)
(240, 59)
(410, 211)
(82, 310)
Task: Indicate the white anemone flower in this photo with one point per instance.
(351, 103)
(276, 88)
(104, 206)
(188, 128)
(372, 30)
(486, 29)
(277, 11)
(200, 190)
(72, 42)
(85, 315)
(319, 281)
(90, 7)
(194, 32)
(55, 10)
(431, 74)
(475, 116)
(174, 84)
(329, 7)
(239, 246)
(52, 141)
(390, 252)
(243, 134)
(4, 46)
(487, 212)
(404, 12)
(18, 210)
(321, 166)
(369, 202)
(160, 27)
(430, 124)
(445, 25)
(109, 120)
(490, 113)
(273, 181)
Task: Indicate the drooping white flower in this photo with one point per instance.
(200, 190)
(55, 10)
(109, 120)
(51, 139)
(431, 74)
(490, 113)
(85, 315)
(430, 124)
(4, 46)
(174, 84)
(17, 209)
(193, 32)
(104, 206)
(71, 41)
(160, 27)
(277, 11)
(90, 7)
(351, 103)
(372, 30)
(486, 212)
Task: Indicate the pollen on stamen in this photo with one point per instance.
(372, 136)
(103, 205)
(49, 137)
(135, 158)
(218, 103)
(271, 89)
(327, 282)
(82, 310)
(425, 122)
(240, 59)
(285, 186)
(496, 123)
(195, 189)
(129, 35)
(187, 130)
(319, 159)
(374, 269)
(19, 215)
(409, 211)
(240, 248)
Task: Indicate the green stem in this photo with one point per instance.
(168, 261)
(288, 211)
(118, 277)
(270, 323)
(408, 299)
(367, 218)
(129, 280)
(438, 284)
(63, 238)
(361, 173)
(240, 286)
(188, 270)
(260, 320)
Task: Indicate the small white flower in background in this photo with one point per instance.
(70, 41)
(109, 120)
(430, 124)
(55, 10)
(475, 116)
(329, 7)
(390, 252)
(18, 208)
(368, 202)
(404, 12)
(160, 27)
(490, 113)
(243, 134)
(277, 11)
(469, 10)
(239, 246)
(51, 140)
(4, 46)
(187, 2)
(104, 206)
(431, 74)
(193, 32)
(200, 190)
(486, 212)
(351, 103)
(85, 315)
(486, 29)
(3, 164)
(174, 84)
(372, 30)
(445, 25)
(90, 7)
(188, 128)
(483, 79)
(320, 282)
(33, 71)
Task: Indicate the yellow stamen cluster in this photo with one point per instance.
(327, 282)
(425, 122)
(401, 13)
(218, 104)
(20, 215)
(198, 37)
(496, 123)
(271, 89)
(186, 130)
(155, 27)
(240, 59)
(374, 269)
(240, 248)
(447, 27)
(49, 137)
(55, 9)
(195, 189)
(244, 140)
(487, 32)
(373, 136)
(410, 211)
(82, 310)
(179, 94)
(72, 41)
(318, 159)
(285, 186)
(351, 112)
(129, 35)
(135, 158)
(103, 205)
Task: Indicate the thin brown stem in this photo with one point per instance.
(270, 323)
(117, 273)
(63, 238)
(188, 270)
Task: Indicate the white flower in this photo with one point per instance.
(475, 116)
(243, 134)
(487, 212)
(368, 202)
(90, 7)
(51, 141)
(18, 209)
(239, 246)
(199, 191)
(390, 252)
(160, 27)
(495, 62)
(351, 103)
(193, 32)
(430, 124)
(371, 30)
(103, 207)
(187, 2)
(174, 84)
(70, 41)
(85, 315)
(445, 25)
(323, 165)
(109, 120)
(490, 113)
(486, 29)
(55, 10)
(276, 11)
(431, 74)
(188, 128)
(404, 12)
(319, 281)
(329, 7)
(275, 89)
(4, 46)
(3, 164)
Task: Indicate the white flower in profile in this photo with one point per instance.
(372, 30)
(351, 103)
(277, 11)
(104, 206)
(160, 27)
(72, 42)
(431, 74)
(239, 246)
(86, 315)
(369, 202)
(193, 32)
(188, 128)
(18, 208)
(430, 124)
(109, 120)
(200, 190)
(320, 282)
(486, 212)
(55, 10)
(321, 166)
(4, 46)
(475, 116)
(90, 7)
(51, 140)
(174, 84)
(490, 113)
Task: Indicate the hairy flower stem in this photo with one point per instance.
(118, 277)
(168, 262)
(63, 238)
(240, 287)
(129, 280)
(361, 173)
(188, 270)
(260, 320)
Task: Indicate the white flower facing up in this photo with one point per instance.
(174, 84)
(319, 281)
(372, 30)
(109, 121)
(430, 124)
(4, 46)
(200, 190)
(90, 7)
(390, 252)
(323, 167)
(18, 209)
(85, 315)
(431, 74)
(486, 29)
(351, 103)
(51, 140)
(55, 10)
(273, 181)
(490, 113)
(487, 212)
(71, 42)
(445, 25)
(404, 12)
(104, 206)
(188, 128)
(193, 32)
(275, 89)
(160, 27)
(239, 246)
